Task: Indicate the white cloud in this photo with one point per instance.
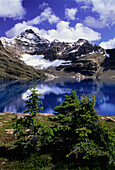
(105, 8)
(70, 13)
(11, 9)
(18, 28)
(53, 19)
(108, 44)
(85, 1)
(92, 22)
(43, 5)
(85, 7)
(47, 14)
(65, 33)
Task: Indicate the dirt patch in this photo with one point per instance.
(0, 123)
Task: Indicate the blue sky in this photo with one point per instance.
(65, 20)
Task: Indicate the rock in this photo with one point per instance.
(87, 67)
(108, 66)
(79, 76)
(9, 131)
(109, 119)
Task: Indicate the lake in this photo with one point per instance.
(13, 94)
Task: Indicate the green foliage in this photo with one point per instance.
(33, 103)
(26, 128)
(79, 133)
(75, 138)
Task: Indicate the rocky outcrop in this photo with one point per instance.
(88, 65)
(84, 66)
(109, 119)
(109, 62)
(108, 66)
(11, 67)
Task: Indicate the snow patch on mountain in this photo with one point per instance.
(38, 60)
(93, 52)
(5, 41)
(28, 40)
(73, 51)
(106, 54)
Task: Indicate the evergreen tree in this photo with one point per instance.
(79, 134)
(26, 128)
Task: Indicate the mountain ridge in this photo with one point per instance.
(31, 42)
(80, 57)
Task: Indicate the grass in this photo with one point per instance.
(6, 123)
(110, 124)
(12, 158)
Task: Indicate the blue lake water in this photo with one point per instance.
(13, 94)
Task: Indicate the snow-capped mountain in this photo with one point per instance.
(32, 43)
(27, 42)
(78, 57)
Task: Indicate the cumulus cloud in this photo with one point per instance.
(85, 1)
(85, 7)
(43, 5)
(20, 27)
(105, 9)
(47, 14)
(11, 9)
(70, 13)
(17, 29)
(92, 22)
(108, 44)
(64, 32)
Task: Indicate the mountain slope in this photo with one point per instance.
(12, 67)
(109, 66)
(59, 57)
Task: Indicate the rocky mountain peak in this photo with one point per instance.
(30, 42)
(82, 41)
(31, 37)
(55, 41)
(29, 31)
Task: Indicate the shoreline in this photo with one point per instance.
(45, 114)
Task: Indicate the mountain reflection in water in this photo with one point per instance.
(13, 94)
